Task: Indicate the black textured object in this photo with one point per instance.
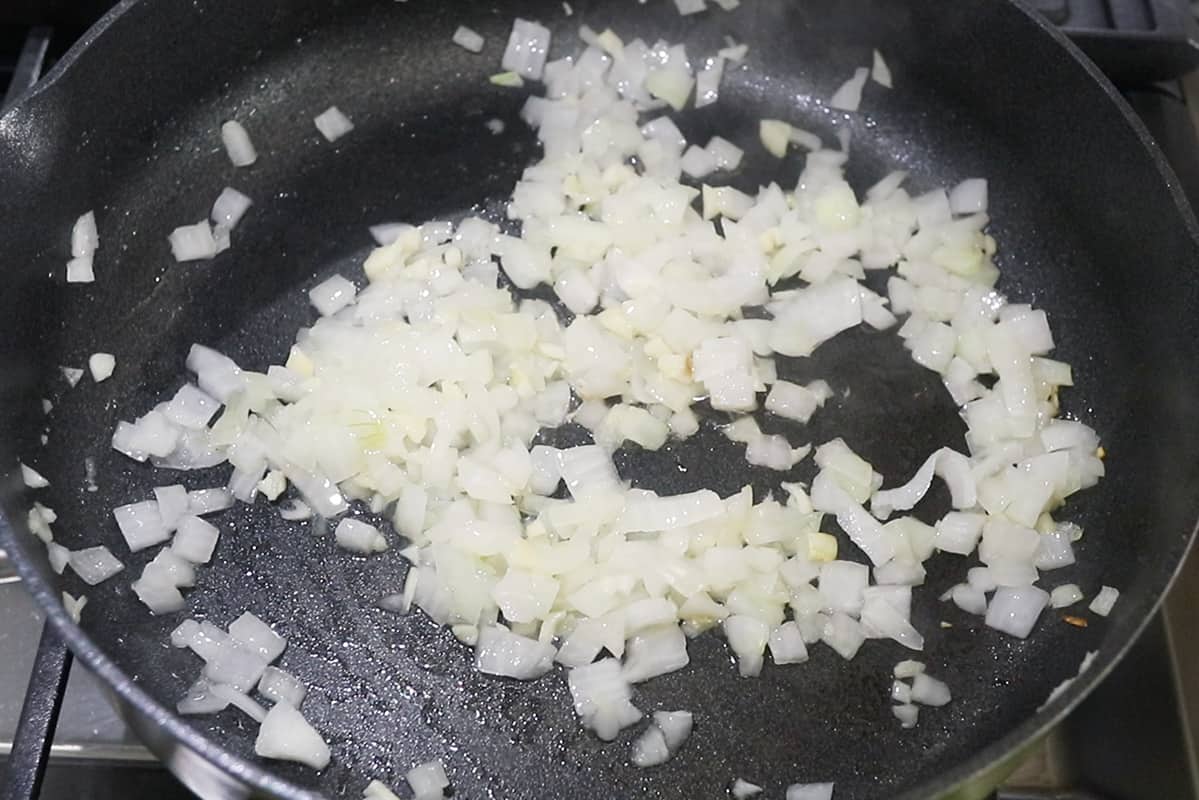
(1132, 41)
(22, 773)
(1092, 227)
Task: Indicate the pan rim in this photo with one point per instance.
(261, 777)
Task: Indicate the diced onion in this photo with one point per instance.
(101, 365)
(285, 734)
(810, 791)
(195, 539)
(428, 780)
(237, 144)
(468, 39)
(528, 45)
(359, 537)
(193, 242)
(1014, 610)
(929, 691)
(332, 295)
(849, 96)
(1065, 595)
(1104, 601)
(280, 686)
(880, 73)
(743, 789)
(229, 207)
(32, 478)
(332, 123)
(141, 525)
(95, 564)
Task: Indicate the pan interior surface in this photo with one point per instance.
(1087, 226)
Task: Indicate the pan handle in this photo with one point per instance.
(22, 779)
(29, 64)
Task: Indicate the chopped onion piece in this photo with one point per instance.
(880, 73)
(195, 539)
(230, 206)
(969, 197)
(376, 790)
(879, 615)
(743, 789)
(237, 144)
(1014, 609)
(672, 84)
(707, 82)
(185, 633)
(849, 96)
(501, 652)
(698, 162)
(428, 780)
(58, 556)
(970, 599)
(747, 637)
(172, 568)
(810, 791)
(1104, 601)
(528, 45)
(332, 295)
(285, 734)
(72, 375)
(468, 39)
(775, 135)
(74, 606)
(787, 645)
(101, 365)
(359, 537)
(279, 686)
(332, 123)
(32, 478)
(141, 525)
(95, 564)
(602, 698)
(726, 154)
(202, 502)
(158, 592)
(390, 232)
(654, 652)
(217, 374)
(929, 691)
(1065, 595)
(193, 242)
(85, 239)
(234, 663)
(649, 749)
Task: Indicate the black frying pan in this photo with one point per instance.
(1091, 225)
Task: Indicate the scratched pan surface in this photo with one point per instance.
(1090, 227)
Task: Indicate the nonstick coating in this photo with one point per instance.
(1090, 226)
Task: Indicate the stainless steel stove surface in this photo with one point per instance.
(1135, 738)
